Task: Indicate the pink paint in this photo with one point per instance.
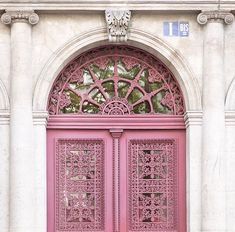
(116, 152)
(118, 122)
(56, 179)
(169, 143)
(117, 165)
(116, 80)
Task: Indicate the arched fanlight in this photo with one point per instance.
(116, 80)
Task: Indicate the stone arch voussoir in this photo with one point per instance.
(4, 99)
(230, 97)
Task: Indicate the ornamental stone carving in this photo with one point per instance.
(117, 24)
(215, 16)
(20, 16)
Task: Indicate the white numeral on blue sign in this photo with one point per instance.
(184, 29)
(176, 29)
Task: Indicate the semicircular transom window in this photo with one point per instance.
(116, 80)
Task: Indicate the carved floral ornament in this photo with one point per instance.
(215, 16)
(20, 16)
(117, 24)
(116, 80)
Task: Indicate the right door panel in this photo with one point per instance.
(152, 177)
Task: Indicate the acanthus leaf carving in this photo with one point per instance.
(117, 24)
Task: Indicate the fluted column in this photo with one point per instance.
(213, 157)
(22, 208)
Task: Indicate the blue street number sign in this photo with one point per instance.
(178, 29)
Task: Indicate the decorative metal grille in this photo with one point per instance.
(152, 185)
(116, 80)
(79, 185)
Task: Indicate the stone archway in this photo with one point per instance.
(4, 157)
(160, 49)
(185, 78)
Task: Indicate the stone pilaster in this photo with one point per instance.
(193, 121)
(22, 190)
(213, 155)
(4, 170)
(39, 125)
(230, 177)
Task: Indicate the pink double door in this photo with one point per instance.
(116, 180)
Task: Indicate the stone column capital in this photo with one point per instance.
(20, 16)
(215, 16)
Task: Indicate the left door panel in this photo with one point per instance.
(79, 177)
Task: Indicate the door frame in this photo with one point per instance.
(116, 122)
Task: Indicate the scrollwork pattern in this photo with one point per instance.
(79, 185)
(152, 185)
(116, 74)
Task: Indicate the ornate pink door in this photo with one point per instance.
(116, 145)
(79, 190)
(116, 180)
(152, 181)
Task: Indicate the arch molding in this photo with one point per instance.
(157, 47)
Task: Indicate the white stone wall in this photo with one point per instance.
(61, 35)
(48, 36)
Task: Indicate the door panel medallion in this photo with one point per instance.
(152, 185)
(79, 185)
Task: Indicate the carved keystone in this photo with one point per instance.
(117, 24)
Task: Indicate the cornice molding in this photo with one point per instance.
(20, 16)
(4, 117)
(101, 5)
(40, 118)
(215, 16)
(193, 118)
(230, 118)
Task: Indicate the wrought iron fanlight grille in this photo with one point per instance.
(116, 80)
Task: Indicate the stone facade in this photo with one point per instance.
(37, 40)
